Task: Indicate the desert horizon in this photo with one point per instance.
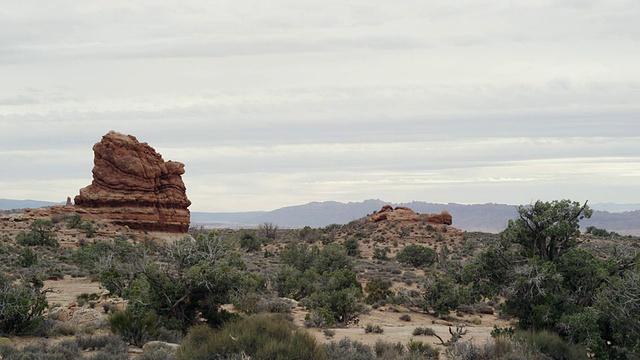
(331, 180)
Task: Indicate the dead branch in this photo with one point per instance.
(455, 335)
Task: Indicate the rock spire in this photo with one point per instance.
(133, 186)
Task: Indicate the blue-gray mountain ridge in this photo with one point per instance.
(476, 217)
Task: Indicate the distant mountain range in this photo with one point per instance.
(486, 217)
(622, 218)
(9, 204)
(476, 217)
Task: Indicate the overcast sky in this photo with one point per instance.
(277, 103)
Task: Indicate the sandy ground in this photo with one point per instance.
(479, 326)
(396, 330)
(65, 291)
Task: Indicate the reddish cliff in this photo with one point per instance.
(133, 186)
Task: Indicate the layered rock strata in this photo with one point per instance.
(133, 186)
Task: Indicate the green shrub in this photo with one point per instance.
(115, 280)
(249, 242)
(160, 351)
(328, 333)
(180, 282)
(331, 258)
(376, 329)
(552, 345)
(27, 257)
(600, 232)
(494, 349)
(260, 337)
(347, 349)
(114, 256)
(275, 305)
(618, 304)
(327, 239)
(351, 246)
(247, 303)
(135, 325)
(417, 255)
(423, 331)
(62, 329)
(378, 290)
(310, 235)
(8, 351)
(108, 343)
(21, 306)
(319, 318)
(74, 221)
(299, 256)
(502, 332)
(41, 350)
(343, 304)
(405, 317)
(387, 350)
(537, 297)
(338, 292)
(295, 284)
(89, 228)
(426, 351)
(442, 293)
(40, 235)
(381, 253)
(302, 257)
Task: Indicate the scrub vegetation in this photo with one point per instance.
(569, 295)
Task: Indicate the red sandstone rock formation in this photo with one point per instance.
(402, 213)
(133, 186)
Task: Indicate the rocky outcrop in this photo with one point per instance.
(402, 225)
(133, 186)
(402, 213)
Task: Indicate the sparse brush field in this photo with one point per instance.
(74, 287)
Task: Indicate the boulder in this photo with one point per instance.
(443, 218)
(59, 313)
(83, 318)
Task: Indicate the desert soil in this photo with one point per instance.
(65, 291)
(396, 330)
(479, 326)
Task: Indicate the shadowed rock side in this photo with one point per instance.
(133, 186)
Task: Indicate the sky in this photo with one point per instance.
(278, 103)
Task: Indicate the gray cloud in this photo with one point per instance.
(279, 103)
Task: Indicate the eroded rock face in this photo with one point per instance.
(133, 186)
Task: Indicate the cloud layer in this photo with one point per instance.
(280, 103)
